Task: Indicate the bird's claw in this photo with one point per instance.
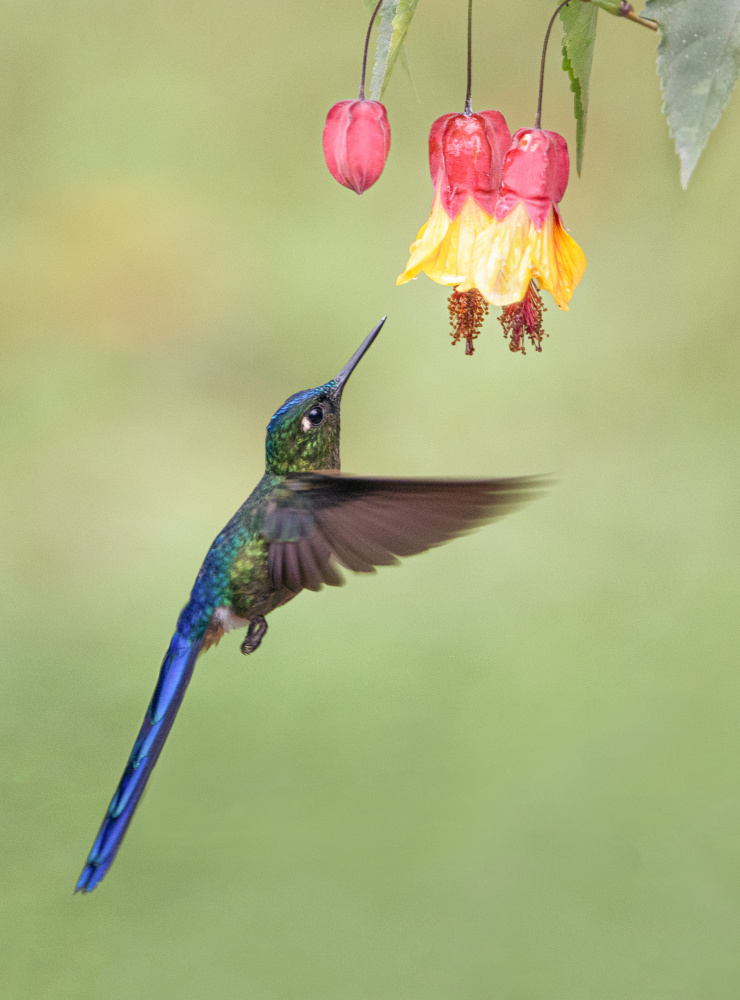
(255, 635)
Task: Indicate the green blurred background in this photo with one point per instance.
(507, 769)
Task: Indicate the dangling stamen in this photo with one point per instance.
(467, 311)
(524, 319)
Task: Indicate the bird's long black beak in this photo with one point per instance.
(341, 379)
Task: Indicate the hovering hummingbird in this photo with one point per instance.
(302, 519)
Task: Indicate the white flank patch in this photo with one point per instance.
(228, 620)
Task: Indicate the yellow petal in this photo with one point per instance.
(560, 261)
(502, 262)
(443, 248)
(511, 252)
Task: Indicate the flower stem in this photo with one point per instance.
(361, 95)
(538, 116)
(629, 13)
(468, 95)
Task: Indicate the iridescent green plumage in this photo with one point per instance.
(301, 521)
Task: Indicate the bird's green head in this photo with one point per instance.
(303, 436)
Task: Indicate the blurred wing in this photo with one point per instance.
(320, 519)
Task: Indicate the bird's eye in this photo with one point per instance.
(315, 415)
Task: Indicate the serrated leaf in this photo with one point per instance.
(698, 64)
(401, 21)
(394, 20)
(382, 47)
(403, 58)
(579, 37)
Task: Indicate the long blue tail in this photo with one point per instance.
(177, 669)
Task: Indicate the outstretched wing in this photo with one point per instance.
(320, 519)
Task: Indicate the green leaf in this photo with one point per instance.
(698, 64)
(382, 47)
(394, 20)
(404, 12)
(579, 37)
(403, 58)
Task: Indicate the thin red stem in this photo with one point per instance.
(361, 95)
(468, 95)
(538, 116)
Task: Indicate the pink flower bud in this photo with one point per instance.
(356, 141)
(466, 153)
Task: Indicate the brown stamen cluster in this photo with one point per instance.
(467, 311)
(524, 319)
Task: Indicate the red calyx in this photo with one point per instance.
(466, 153)
(535, 171)
(356, 141)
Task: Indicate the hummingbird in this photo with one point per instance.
(303, 520)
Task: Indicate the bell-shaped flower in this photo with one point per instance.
(356, 140)
(527, 246)
(466, 153)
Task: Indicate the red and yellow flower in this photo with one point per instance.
(526, 247)
(466, 153)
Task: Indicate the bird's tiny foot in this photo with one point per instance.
(255, 635)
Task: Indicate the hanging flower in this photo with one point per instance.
(526, 246)
(466, 153)
(356, 140)
(357, 136)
